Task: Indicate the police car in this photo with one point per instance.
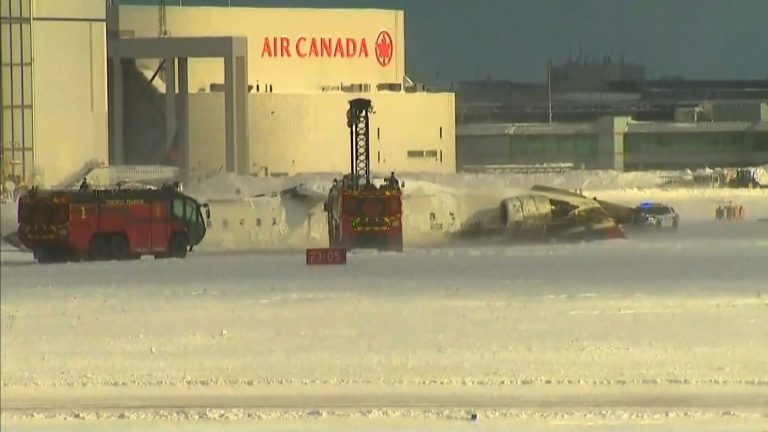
(656, 215)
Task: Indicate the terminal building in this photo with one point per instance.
(607, 115)
(617, 143)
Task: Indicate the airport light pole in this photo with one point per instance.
(549, 88)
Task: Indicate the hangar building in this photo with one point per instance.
(54, 88)
(253, 90)
(302, 67)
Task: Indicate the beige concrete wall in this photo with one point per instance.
(292, 133)
(70, 99)
(295, 66)
(77, 9)
(16, 126)
(206, 135)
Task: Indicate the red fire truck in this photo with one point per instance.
(361, 214)
(104, 224)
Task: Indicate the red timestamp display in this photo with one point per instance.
(326, 256)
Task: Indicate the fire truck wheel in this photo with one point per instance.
(392, 245)
(99, 248)
(119, 247)
(45, 256)
(40, 255)
(178, 246)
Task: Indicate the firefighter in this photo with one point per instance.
(84, 184)
(392, 181)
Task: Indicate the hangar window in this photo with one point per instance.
(567, 147)
(761, 141)
(584, 148)
(422, 153)
(535, 147)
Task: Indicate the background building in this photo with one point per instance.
(621, 143)
(53, 92)
(302, 67)
(607, 115)
(582, 90)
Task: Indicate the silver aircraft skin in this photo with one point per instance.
(549, 214)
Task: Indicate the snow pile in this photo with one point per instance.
(225, 186)
(8, 224)
(74, 178)
(230, 186)
(761, 175)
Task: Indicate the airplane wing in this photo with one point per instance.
(558, 191)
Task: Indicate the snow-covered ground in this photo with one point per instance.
(657, 332)
(661, 331)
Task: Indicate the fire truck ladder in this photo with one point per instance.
(357, 121)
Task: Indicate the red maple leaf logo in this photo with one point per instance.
(384, 48)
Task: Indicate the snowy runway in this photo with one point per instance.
(703, 256)
(657, 330)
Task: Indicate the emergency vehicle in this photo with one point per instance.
(110, 224)
(360, 213)
(657, 215)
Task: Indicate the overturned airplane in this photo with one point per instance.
(549, 214)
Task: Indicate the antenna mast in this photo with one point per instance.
(162, 27)
(549, 89)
